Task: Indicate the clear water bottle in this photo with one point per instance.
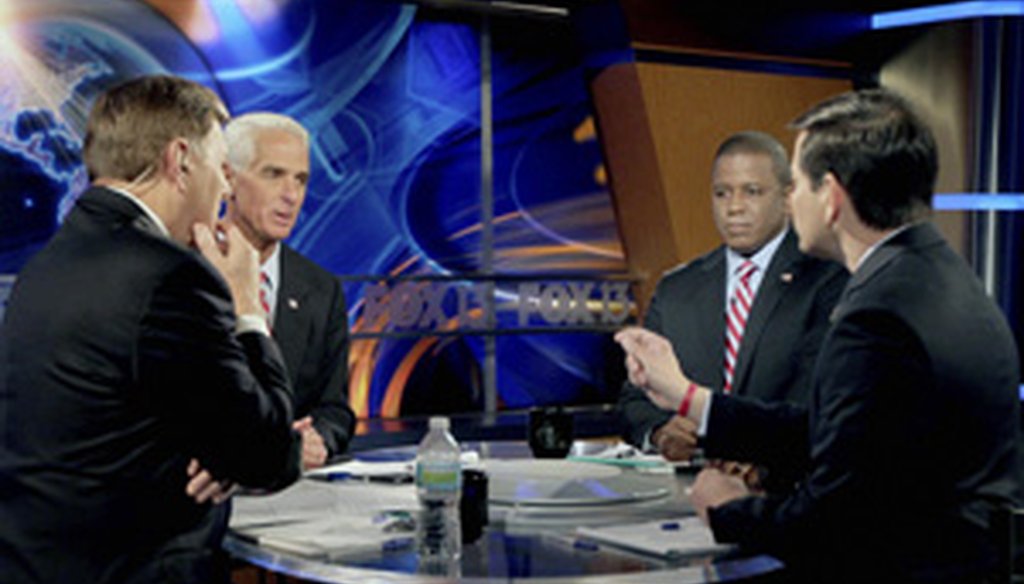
(439, 486)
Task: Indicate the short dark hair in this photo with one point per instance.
(131, 123)
(751, 142)
(878, 148)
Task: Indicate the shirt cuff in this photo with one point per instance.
(648, 446)
(702, 428)
(251, 323)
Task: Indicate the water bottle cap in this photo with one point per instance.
(439, 422)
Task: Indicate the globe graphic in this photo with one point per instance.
(53, 68)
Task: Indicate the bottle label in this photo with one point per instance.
(438, 477)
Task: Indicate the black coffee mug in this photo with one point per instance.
(473, 504)
(550, 432)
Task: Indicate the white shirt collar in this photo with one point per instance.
(761, 257)
(143, 206)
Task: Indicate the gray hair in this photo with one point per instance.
(241, 134)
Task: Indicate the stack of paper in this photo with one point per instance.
(397, 471)
(327, 536)
(321, 519)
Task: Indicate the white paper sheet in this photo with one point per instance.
(671, 538)
(312, 501)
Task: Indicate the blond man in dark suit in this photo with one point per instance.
(127, 359)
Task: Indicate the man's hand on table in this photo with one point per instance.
(713, 487)
(676, 439)
(314, 451)
(744, 470)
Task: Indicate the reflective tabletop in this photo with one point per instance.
(536, 508)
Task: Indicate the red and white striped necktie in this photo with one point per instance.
(266, 293)
(736, 312)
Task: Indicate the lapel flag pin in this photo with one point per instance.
(293, 304)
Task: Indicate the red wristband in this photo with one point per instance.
(685, 406)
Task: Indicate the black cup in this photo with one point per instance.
(473, 504)
(550, 432)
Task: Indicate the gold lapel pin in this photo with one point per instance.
(786, 277)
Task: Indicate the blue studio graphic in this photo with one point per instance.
(391, 94)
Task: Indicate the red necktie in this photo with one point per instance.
(736, 312)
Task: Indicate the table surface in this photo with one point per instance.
(523, 541)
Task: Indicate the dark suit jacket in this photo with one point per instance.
(786, 324)
(118, 364)
(911, 435)
(311, 327)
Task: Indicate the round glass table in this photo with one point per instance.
(353, 527)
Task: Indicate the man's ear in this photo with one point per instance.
(835, 198)
(174, 160)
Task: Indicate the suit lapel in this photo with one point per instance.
(710, 316)
(913, 237)
(782, 270)
(290, 314)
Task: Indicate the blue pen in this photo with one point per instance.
(670, 526)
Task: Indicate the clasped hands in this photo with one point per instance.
(203, 486)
